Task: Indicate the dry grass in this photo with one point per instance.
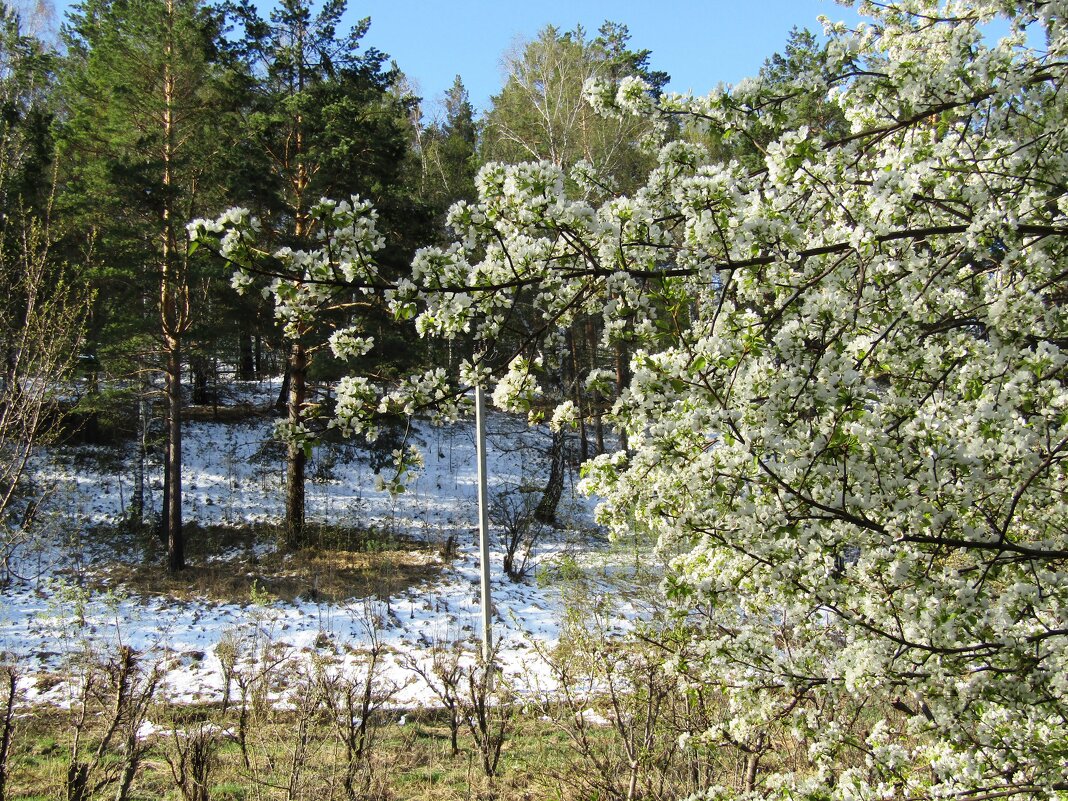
(227, 413)
(229, 564)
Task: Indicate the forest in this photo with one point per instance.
(772, 498)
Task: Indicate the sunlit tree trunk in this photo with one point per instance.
(174, 312)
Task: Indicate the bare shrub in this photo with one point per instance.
(353, 696)
(306, 702)
(443, 676)
(626, 715)
(41, 316)
(253, 661)
(513, 511)
(470, 688)
(486, 710)
(192, 758)
(117, 694)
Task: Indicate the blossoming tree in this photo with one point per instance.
(849, 409)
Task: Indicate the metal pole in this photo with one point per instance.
(483, 526)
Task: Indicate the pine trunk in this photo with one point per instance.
(174, 310)
(175, 536)
(246, 361)
(281, 403)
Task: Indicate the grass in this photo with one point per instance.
(410, 761)
(231, 564)
(410, 758)
(265, 750)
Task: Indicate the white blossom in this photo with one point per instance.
(846, 411)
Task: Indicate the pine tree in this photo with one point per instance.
(449, 152)
(26, 71)
(143, 94)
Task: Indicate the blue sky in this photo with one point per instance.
(698, 42)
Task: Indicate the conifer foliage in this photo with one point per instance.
(142, 96)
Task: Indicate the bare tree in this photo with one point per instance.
(40, 331)
(515, 512)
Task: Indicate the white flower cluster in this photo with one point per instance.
(294, 434)
(407, 462)
(429, 392)
(305, 283)
(564, 416)
(848, 405)
(518, 389)
(344, 343)
(357, 400)
(235, 218)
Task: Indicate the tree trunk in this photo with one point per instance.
(136, 517)
(295, 456)
(282, 403)
(200, 380)
(576, 379)
(174, 310)
(257, 352)
(752, 765)
(596, 401)
(165, 510)
(7, 727)
(246, 359)
(622, 379)
(554, 487)
(173, 479)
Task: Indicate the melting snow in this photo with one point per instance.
(227, 480)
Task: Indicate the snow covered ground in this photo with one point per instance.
(228, 479)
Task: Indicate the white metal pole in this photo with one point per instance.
(483, 525)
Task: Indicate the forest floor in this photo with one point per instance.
(399, 570)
